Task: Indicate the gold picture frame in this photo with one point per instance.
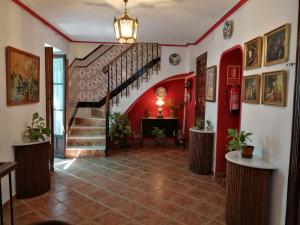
(251, 89)
(253, 53)
(274, 88)
(22, 77)
(210, 90)
(276, 45)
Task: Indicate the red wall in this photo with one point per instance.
(190, 107)
(175, 91)
(225, 119)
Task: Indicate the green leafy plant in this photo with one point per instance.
(36, 130)
(119, 128)
(238, 139)
(174, 107)
(209, 125)
(159, 136)
(200, 123)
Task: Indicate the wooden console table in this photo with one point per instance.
(201, 151)
(247, 190)
(5, 169)
(33, 171)
(170, 125)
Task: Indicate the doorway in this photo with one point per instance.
(59, 105)
(229, 114)
(200, 86)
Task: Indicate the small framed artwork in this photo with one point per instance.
(253, 52)
(251, 89)
(276, 45)
(22, 77)
(211, 73)
(274, 88)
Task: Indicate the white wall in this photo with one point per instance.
(80, 50)
(20, 30)
(271, 125)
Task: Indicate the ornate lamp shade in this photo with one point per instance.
(126, 28)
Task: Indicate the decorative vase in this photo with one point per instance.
(247, 152)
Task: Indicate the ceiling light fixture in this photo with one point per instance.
(126, 27)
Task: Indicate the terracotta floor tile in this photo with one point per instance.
(151, 218)
(139, 187)
(192, 218)
(207, 210)
(111, 218)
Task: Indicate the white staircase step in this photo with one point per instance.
(87, 148)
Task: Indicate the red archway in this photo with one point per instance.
(226, 119)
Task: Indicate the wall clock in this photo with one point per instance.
(174, 59)
(161, 92)
(228, 29)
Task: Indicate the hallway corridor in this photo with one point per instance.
(148, 186)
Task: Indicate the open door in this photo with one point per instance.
(200, 86)
(59, 105)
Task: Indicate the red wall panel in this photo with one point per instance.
(175, 91)
(190, 107)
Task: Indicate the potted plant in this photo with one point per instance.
(174, 107)
(239, 142)
(159, 136)
(36, 130)
(209, 125)
(119, 129)
(200, 123)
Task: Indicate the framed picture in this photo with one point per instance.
(251, 89)
(22, 77)
(276, 45)
(211, 84)
(274, 88)
(253, 52)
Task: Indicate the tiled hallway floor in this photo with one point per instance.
(145, 187)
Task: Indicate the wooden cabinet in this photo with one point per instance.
(201, 151)
(33, 171)
(170, 125)
(247, 190)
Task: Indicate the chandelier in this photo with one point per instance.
(126, 27)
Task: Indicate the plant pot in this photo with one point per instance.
(247, 152)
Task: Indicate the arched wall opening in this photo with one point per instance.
(231, 66)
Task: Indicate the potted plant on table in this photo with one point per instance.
(119, 129)
(36, 130)
(175, 107)
(239, 142)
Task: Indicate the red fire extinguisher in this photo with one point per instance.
(233, 98)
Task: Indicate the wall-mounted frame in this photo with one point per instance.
(253, 53)
(210, 91)
(274, 88)
(233, 74)
(276, 45)
(22, 77)
(251, 89)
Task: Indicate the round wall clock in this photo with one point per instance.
(228, 29)
(174, 59)
(161, 92)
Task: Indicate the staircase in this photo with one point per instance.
(87, 137)
(88, 126)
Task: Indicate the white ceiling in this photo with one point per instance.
(162, 21)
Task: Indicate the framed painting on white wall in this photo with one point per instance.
(253, 52)
(276, 45)
(211, 84)
(274, 88)
(251, 89)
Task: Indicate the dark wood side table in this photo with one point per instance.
(5, 169)
(170, 125)
(201, 151)
(247, 190)
(33, 171)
